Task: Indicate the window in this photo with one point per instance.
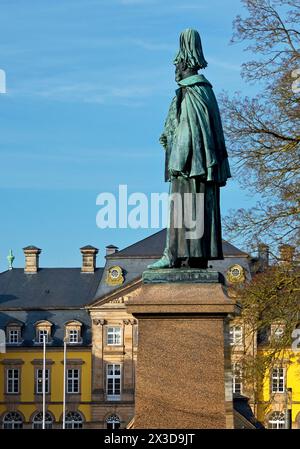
(39, 381)
(12, 420)
(73, 336)
(73, 332)
(73, 381)
(236, 335)
(113, 422)
(37, 422)
(13, 380)
(278, 380)
(43, 333)
(236, 378)
(43, 329)
(277, 420)
(14, 336)
(74, 420)
(114, 336)
(113, 382)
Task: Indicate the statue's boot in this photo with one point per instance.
(164, 262)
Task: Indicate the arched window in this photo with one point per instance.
(74, 420)
(37, 422)
(277, 420)
(113, 422)
(12, 420)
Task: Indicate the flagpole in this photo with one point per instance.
(64, 386)
(44, 381)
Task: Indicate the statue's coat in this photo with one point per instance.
(193, 130)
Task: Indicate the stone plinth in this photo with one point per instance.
(183, 379)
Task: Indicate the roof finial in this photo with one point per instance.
(10, 259)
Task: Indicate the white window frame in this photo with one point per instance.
(73, 423)
(278, 380)
(114, 336)
(37, 421)
(12, 424)
(277, 420)
(12, 379)
(73, 332)
(236, 335)
(40, 335)
(113, 396)
(113, 422)
(39, 381)
(13, 332)
(70, 377)
(237, 378)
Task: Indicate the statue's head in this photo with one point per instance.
(190, 54)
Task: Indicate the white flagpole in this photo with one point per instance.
(44, 381)
(64, 386)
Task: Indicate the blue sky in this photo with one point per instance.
(89, 84)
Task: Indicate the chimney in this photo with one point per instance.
(263, 255)
(287, 253)
(89, 254)
(31, 259)
(111, 249)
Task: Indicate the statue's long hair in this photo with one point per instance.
(190, 50)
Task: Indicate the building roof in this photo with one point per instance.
(154, 245)
(60, 288)
(135, 258)
(58, 318)
(242, 408)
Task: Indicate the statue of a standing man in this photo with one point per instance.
(196, 158)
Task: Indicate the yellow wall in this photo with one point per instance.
(269, 402)
(27, 406)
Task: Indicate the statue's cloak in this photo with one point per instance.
(195, 144)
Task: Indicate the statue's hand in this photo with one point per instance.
(164, 141)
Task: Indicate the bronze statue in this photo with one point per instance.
(196, 159)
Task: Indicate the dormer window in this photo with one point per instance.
(73, 336)
(13, 336)
(73, 332)
(13, 333)
(43, 331)
(43, 334)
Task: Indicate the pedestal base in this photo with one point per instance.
(183, 356)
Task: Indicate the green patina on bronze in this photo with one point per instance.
(196, 157)
(189, 276)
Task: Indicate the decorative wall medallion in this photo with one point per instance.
(235, 274)
(114, 276)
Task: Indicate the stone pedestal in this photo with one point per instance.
(183, 368)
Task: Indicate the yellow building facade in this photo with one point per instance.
(26, 401)
(279, 396)
(86, 307)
